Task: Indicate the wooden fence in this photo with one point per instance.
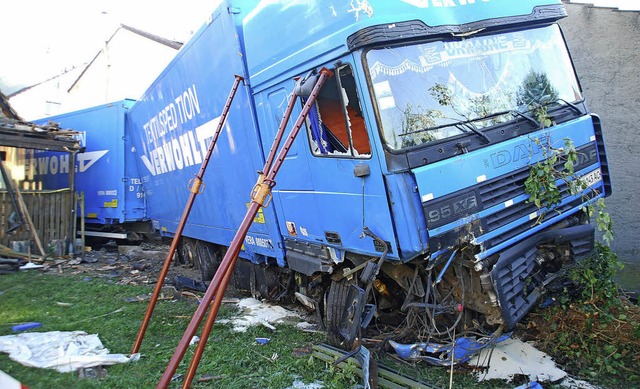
(50, 212)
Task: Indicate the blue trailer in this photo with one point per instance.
(402, 201)
(106, 172)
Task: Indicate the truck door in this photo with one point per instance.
(331, 185)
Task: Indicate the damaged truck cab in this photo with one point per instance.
(403, 200)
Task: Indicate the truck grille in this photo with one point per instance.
(501, 189)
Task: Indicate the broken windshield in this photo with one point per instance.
(423, 91)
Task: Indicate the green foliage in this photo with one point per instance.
(594, 275)
(542, 185)
(542, 116)
(595, 331)
(604, 223)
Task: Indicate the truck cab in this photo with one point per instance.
(425, 138)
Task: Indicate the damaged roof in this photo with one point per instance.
(15, 132)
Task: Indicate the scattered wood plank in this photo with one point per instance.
(387, 378)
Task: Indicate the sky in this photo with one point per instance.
(42, 38)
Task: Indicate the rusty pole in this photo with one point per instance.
(216, 289)
(280, 133)
(195, 190)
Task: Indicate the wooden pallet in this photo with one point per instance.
(387, 378)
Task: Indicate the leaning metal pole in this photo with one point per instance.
(195, 189)
(260, 193)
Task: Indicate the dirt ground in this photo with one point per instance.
(124, 263)
(141, 264)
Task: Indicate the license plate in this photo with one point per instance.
(592, 178)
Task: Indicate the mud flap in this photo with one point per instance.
(259, 280)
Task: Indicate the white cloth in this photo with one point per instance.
(62, 351)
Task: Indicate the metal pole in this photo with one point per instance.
(280, 133)
(195, 190)
(72, 189)
(218, 285)
(82, 225)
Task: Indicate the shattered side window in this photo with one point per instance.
(335, 123)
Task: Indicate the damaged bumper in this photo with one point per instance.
(520, 273)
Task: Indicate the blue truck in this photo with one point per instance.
(402, 201)
(106, 172)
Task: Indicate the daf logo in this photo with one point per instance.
(520, 152)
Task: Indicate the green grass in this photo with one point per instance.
(234, 360)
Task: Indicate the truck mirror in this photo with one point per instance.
(361, 170)
(305, 85)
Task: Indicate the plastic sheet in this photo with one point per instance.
(62, 351)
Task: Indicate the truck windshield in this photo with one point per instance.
(432, 91)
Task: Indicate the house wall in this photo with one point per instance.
(124, 69)
(46, 98)
(605, 47)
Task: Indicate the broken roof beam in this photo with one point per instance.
(53, 141)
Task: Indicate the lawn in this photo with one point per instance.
(99, 305)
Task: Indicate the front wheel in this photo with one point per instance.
(343, 313)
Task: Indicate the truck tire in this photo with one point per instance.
(187, 251)
(208, 259)
(336, 306)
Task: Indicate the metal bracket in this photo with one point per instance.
(262, 191)
(196, 186)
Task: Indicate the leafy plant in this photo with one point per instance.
(558, 167)
(595, 330)
(594, 275)
(544, 176)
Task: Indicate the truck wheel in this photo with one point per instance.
(208, 257)
(337, 306)
(187, 251)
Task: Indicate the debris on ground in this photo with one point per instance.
(8, 382)
(140, 265)
(514, 357)
(124, 264)
(30, 266)
(94, 373)
(189, 283)
(255, 312)
(383, 376)
(25, 326)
